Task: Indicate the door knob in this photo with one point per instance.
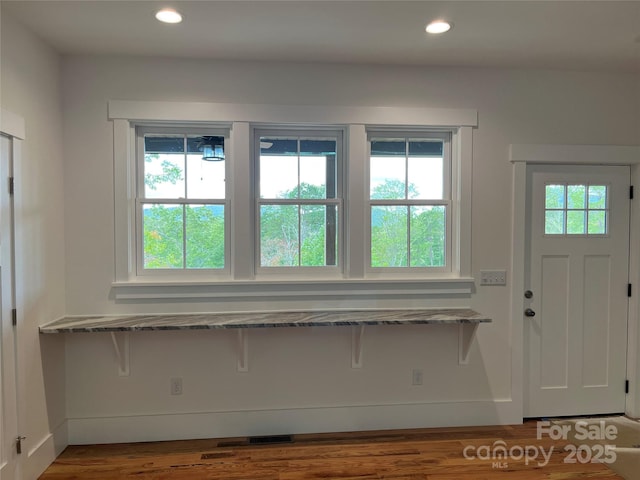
(528, 294)
(529, 313)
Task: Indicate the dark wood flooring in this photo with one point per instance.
(425, 454)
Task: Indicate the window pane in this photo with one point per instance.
(278, 167)
(318, 235)
(554, 196)
(205, 179)
(164, 144)
(576, 196)
(426, 178)
(428, 236)
(554, 222)
(388, 236)
(576, 222)
(317, 147)
(162, 236)
(318, 173)
(205, 236)
(597, 222)
(387, 178)
(278, 177)
(279, 236)
(387, 169)
(597, 196)
(313, 177)
(163, 176)
(389, 147)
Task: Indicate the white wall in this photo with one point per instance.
(30, 87)
(300, 379)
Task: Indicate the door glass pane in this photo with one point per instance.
(389, 236)
(554, 222)
(597, 222)
(554, 196)
(576, 222)
(576, 196)
(205, 236)
(428, 236)
(162, 236)
(597, 196)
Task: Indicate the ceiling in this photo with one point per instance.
(581, 35)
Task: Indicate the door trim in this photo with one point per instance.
(9, 376)
(522, 155)
(11, 124)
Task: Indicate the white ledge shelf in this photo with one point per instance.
(119, 327)
(140, 291)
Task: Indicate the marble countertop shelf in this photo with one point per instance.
(120, 327)
(325, 318)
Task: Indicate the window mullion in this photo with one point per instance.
(299, 234)
(408, 236)
(184, 236)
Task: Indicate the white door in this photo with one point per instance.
(9, 460)
(576, 317)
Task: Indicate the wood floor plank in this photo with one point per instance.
(423, 454)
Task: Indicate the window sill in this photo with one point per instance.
(279, 289)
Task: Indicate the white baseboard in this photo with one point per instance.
(46, 451)
(144, 428)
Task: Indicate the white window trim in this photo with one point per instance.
(449, 192)
(284, 273)
(171, 274)
(125, 115)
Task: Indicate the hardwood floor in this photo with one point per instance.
(431, 454)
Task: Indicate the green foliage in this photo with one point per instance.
(163, 237)
(390, 228)
(294, 235)
(290, 235)
(171, 173)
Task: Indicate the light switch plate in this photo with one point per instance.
(493, 277)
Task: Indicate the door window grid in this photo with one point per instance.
(576, 209)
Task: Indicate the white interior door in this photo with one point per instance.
(9, 460)
(576, 327)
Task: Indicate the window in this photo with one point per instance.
(409, 200)
(287, 202)
(181, 201)
(576, 209)
(299, 198)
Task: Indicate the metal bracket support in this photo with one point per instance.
(121, 348)
(466, 334)
(357, 335)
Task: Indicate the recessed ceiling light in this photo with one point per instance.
(438, 26)
(168, 15)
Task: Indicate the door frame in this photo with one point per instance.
(12, 126)
(521, 156)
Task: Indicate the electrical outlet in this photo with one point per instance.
(176, 386)
(416, 377)
(493, 277)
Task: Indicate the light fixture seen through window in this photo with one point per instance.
(438, 26)
(168, 15)
(212, 149)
